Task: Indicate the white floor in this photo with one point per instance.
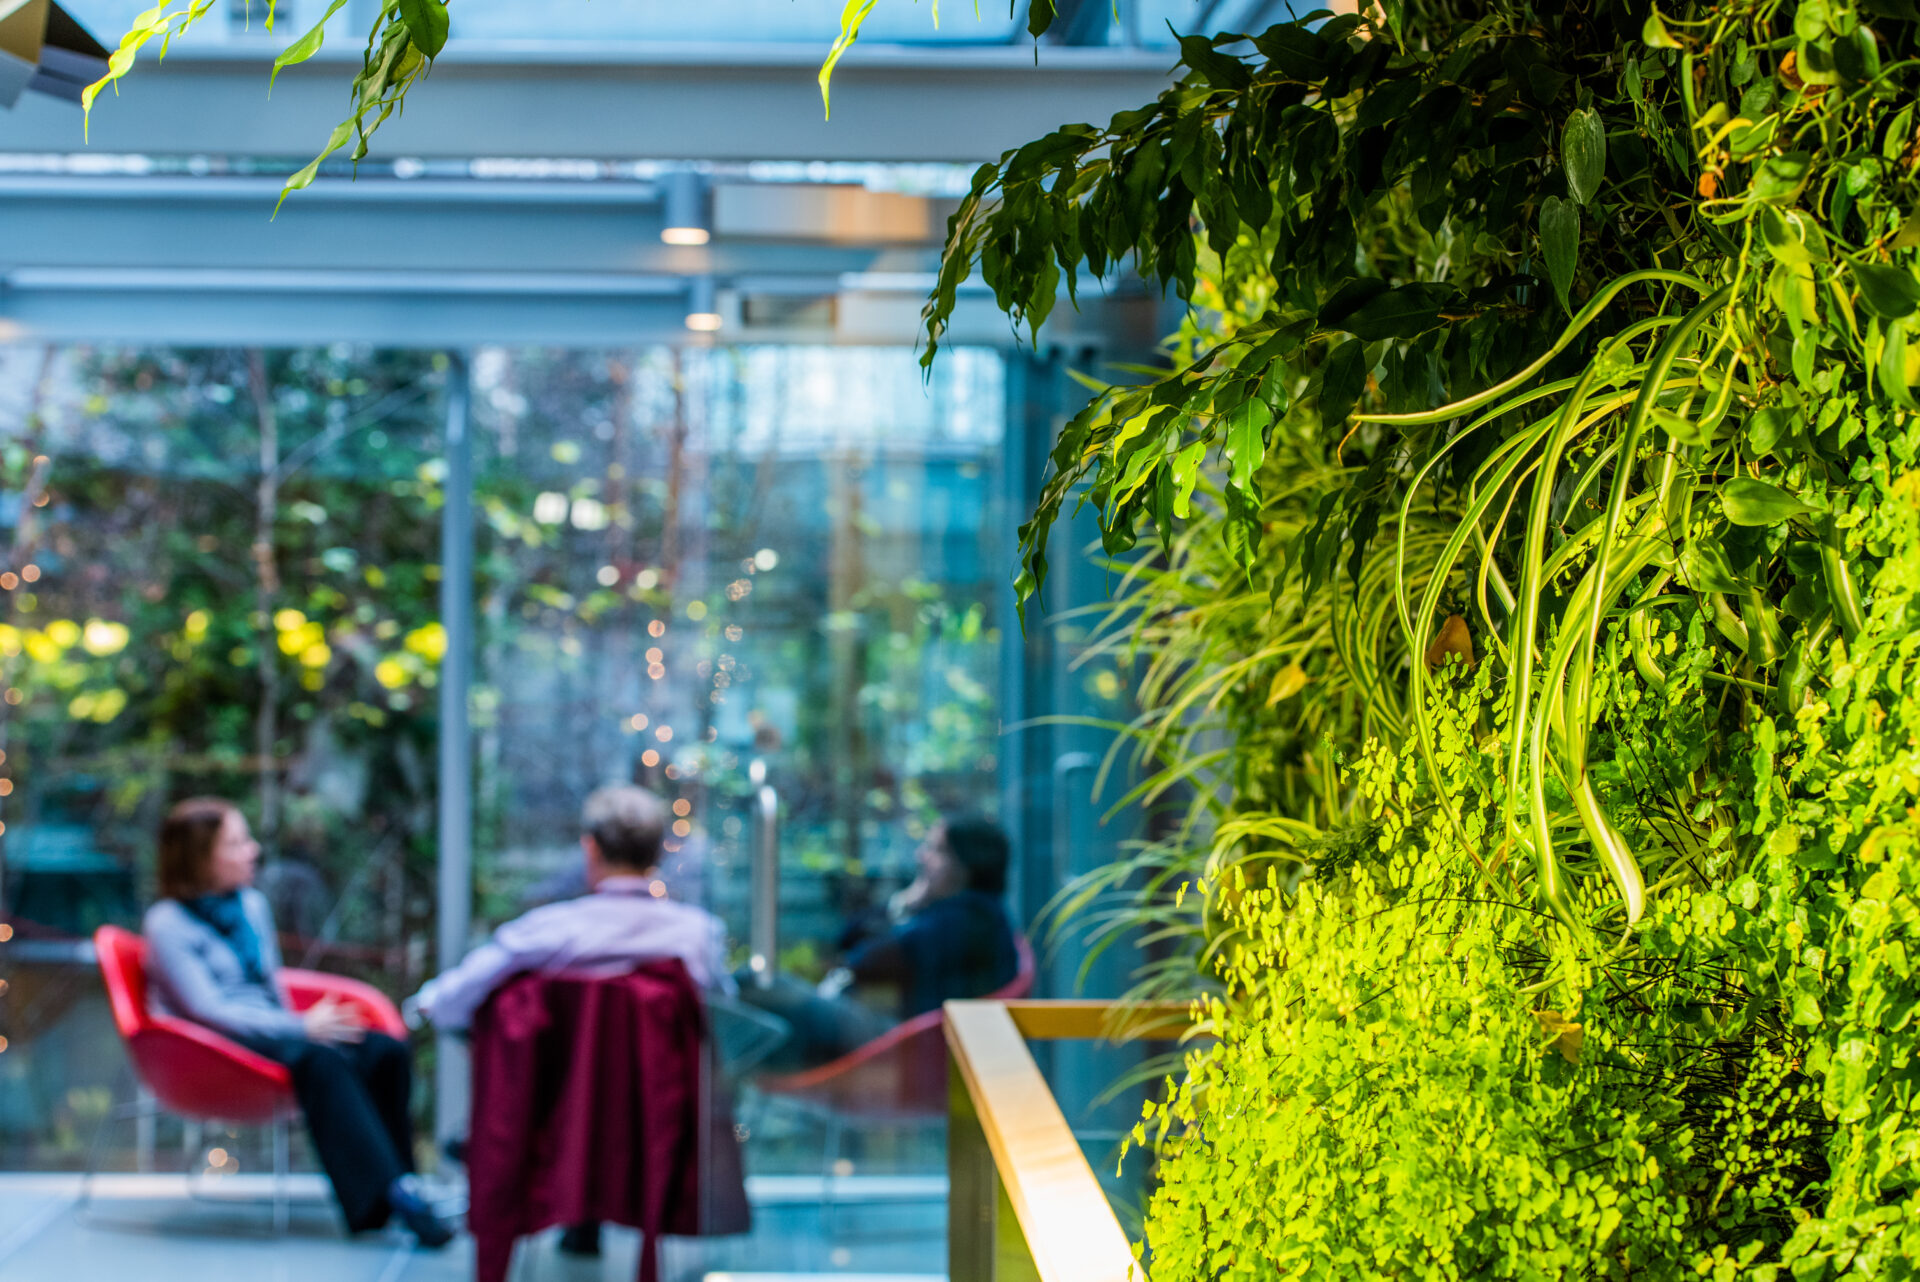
(149, 1229)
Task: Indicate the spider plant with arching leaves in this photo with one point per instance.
(1250, 690)
(1547, 726)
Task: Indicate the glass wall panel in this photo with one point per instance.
(219, 573)
(217, 576)
(694, 559)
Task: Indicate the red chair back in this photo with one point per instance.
(123, 969)
(1021, 985)
(900, 1075)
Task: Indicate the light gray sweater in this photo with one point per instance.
(194, 974)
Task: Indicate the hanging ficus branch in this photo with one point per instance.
(404, 39)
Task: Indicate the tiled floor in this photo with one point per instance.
(147, 1229)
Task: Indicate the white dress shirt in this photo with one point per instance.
(622, 923)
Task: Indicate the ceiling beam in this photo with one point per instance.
(680, 102)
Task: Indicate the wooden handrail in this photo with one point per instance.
(1024, 1204)
(1041, 1021)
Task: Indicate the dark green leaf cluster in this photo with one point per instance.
(1577, 342)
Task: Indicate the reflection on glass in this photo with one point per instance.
(696, 561)
(694, 558)
(219, 573)
(218, 577)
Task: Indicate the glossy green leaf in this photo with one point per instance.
(1222, 70)
(1856, 56)
(1750, 502)
(1703, 563)
(1560, 244)
(1297, 52)
(1767, 428)
(1344, 377)
(1782, 177)
(1350, 298)
(1810, 19)
(1684, 429)
(1887, 291)
(1405, 312)
(1583, 150)
(1654, 33)
(853, 15)
(1184, 473)
(427, 24)
(304, 176)
(1791, 237)
(1246, 442)
(306, 46)
(1891, 371)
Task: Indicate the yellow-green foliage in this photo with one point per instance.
(1826, 919)
(1602, 320)
(1415, 1080)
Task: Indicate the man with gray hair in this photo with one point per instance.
(623, 920)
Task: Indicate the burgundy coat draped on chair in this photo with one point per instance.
(593, 1099)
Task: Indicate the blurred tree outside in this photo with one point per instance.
(219, 573)
(221, 582)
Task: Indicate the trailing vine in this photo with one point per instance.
(1435, 212)
(1565, 355)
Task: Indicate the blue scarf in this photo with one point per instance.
(227, 914)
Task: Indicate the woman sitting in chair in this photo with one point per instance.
(213, 958)
(947, 935)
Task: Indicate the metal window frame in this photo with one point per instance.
(455, 746)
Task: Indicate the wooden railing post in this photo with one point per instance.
(1024, 1206)
(973, 1187)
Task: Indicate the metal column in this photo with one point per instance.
(763, 930)
(456, 748)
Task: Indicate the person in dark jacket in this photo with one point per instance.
(212, 958)
(948, 937)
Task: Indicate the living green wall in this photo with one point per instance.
(1515, 560)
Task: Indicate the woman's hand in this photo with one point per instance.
(905, 903)
(332, 1020)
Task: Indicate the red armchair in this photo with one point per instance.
(193, 1071)
(900, 1077)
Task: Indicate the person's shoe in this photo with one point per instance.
(581, 1239)
(407, 1201)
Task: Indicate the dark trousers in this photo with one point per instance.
(355, 1096)
(820, 1029)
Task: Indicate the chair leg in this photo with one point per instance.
(830, 1173)
(144, 1131)
(143, 1108)
(282, 1168)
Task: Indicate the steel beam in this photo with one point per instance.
(456, 746)
(668, 102)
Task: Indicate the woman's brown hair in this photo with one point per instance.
(187, 837)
